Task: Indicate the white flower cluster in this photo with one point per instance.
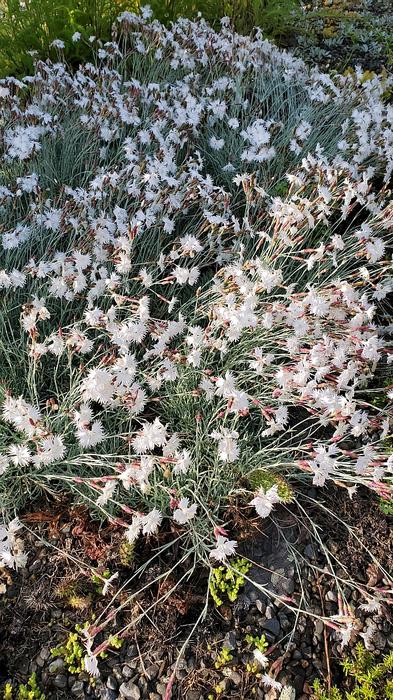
(11, 547)
(193, 266)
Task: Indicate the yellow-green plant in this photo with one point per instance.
(7, 692)
(224, 656)
(72, 652)
(74, 595)
(115, 642)
(30, 691)
(126, 553)
(366, 679)
(226, 581)
(259, 643)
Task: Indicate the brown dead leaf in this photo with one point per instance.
(374, 574)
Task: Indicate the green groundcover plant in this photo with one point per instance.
(337, 34)
(195, 266)
(366, 677)
(343, 33)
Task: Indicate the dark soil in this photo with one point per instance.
(53, 593)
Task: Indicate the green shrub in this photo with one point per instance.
(367, 679)
(34, 24)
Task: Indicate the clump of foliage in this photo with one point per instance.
(386, 506)
(28, 691)
(259, 643)
(27, 29)
(276, 18)
(226, 581)
(346, 33)
(224, 657)
(126, 553)
(72, 651)
(73, 593)
(367, 678)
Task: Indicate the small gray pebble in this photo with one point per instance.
(111, 683)
(309, 552)
(234, 677)
(152, 671)
(77, 688)
(127, 671)
(130, 691)
(230, 640)
(319, 628)
(56, 666)
(60, 681)
(272, 626)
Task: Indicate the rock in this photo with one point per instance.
(108, 694)
(45, 653)
(230, 640)
(288, 693)
(127, 671)
(298, 682)
(77, 688)
(378, 640)
(161, 689)
(309, 552)
(56, 665)
(111, 683)
(116, 672)
(131, 652)
(234, 677)
(130, 691)
(60, 681)
(284, 622)
(272, 626)
(142, 682)
(270, 612)
(241, 604)
(152, 671)
(319, 628)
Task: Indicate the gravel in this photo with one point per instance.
(130, 691)
(142, 672)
